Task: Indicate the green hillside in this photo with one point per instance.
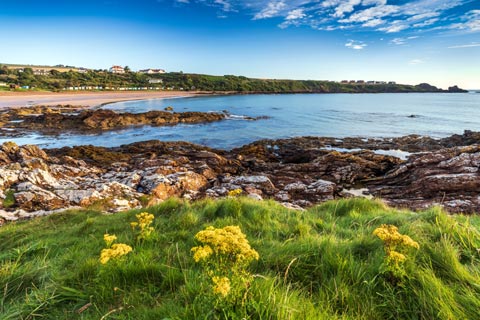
(55, 80)
(323, 263)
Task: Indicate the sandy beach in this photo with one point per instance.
(91, 99)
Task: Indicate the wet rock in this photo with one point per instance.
(448, 177)
(48, 122)
(299, 171)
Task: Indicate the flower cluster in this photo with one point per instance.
(109, 239)
(392, 238)
(393, 243)
(229, 242)
(225, 255)
(143, 224)
(113, 251)
(117, 251)
(235, 193)
(222, 286)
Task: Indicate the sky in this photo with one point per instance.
(434, 41)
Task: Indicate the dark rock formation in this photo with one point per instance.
(298, 172)
(448, 177)
(61, 119)
(456, 89)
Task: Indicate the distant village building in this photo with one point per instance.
(392, 82)
(344, 81)
(117, 69)
(41, 72)
(152, 71)
(155, 81)
(82, 70)
(370, 82)
(360, 81)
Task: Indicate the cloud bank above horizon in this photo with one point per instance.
(360, 15)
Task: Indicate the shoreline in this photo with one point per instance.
(415, 172)
(88, 99)
(9, 99)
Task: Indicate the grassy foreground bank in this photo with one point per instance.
(324, 263)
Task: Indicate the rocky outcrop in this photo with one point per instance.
(55, 121)
(448, 177)
(456, 89)
(297, 172)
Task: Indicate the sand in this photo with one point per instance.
(91, 99)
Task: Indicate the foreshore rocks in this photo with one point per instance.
(413, 172)
(60, 119)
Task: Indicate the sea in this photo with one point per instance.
(289, 115)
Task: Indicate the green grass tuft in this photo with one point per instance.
(322, 263)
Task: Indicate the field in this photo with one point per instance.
(323, 263)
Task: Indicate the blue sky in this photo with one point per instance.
(433, 41)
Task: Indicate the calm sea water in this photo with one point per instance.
(290, 115)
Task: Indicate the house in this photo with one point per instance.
(361, 81)
(370, 82)
(82, 70)
(344, 81)
(352, 81)
(392, 82)
(117, 69)
(153, 81)
(41, 72)
(152, 71)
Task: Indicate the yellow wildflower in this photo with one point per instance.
(391, 237)
(396, 257)
(201, 253)
(235, 193)
(228, 241)
(109, 239)
(117, 251)
(145, 219)
(222, 286)
(393, 242)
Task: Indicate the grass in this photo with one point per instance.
(319, 264)
(9, 199)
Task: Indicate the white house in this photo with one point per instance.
(117, 69)
(152, 81)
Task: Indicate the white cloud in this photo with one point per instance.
(374, 2)
(226, 6)
(471, 45)
(373, 23)
(381, 15)
(395, 26)
(471, 22)
(272, 9)
(425, 23)
(355, 45)
(372, 13)
(402, 41)
(345, 7)
(295, 14)
(416, 62)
